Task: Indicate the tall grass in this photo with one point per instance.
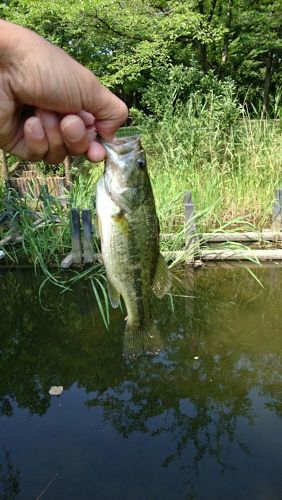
(230, 162)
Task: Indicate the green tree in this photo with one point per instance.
(253, 47)
(153, 53)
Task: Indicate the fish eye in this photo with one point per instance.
(141, 162)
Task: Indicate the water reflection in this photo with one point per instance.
(222, 351)
(9, 477)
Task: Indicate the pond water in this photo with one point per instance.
(202, 420)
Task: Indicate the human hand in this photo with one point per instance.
(50, 105)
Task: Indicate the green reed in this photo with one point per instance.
(231, 166)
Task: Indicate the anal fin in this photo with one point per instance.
(113, 294)
(98, 227)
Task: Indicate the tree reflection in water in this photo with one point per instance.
(217, 350)
(9, 477)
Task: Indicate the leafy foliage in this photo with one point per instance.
(157, 53)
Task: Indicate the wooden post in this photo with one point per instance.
(67, 165)
(67, 261)
(277, 211)
(190, 230)
(88, 253)
(3, 160)
(75, 236)
(62, 197)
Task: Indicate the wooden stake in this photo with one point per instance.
(67, 261)
(190, 229)
(88, 253)
(67, 165)
(277, 211)
(3, 160)
(62, 196)
(75, 237)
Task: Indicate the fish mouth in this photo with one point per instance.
(122, 145)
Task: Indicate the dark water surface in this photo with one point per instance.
(203, 420)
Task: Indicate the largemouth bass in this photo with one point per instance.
(129, 230)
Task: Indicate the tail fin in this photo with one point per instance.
(144, 339)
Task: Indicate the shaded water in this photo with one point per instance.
(202, 420)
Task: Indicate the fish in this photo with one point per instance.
(129, 229)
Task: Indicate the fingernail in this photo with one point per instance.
(74, 130)
(36, 128)
(49, 120)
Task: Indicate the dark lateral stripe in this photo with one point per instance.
(132, 243)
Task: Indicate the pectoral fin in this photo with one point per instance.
(113, 294)
(121, 222)
(162, 279)
(98, 233)
(98, 227)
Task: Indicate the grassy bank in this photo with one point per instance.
(231, 163)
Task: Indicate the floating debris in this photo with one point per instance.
(56, 390)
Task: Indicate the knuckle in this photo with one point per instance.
(36, 151)
(77, 149)
(55, 154)
(123, 112)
